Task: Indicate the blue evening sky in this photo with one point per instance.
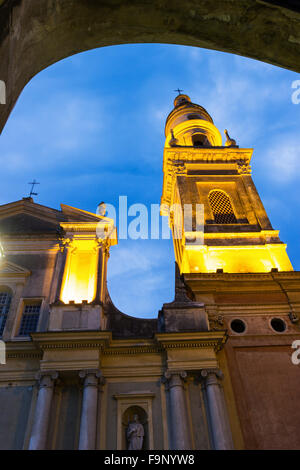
(91, 128)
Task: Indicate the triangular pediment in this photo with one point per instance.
(27, 217)
(24, 223)
(7, 268)
(78, 215)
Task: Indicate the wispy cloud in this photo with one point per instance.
(138, 277)
(282, 159)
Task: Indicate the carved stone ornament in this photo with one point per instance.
(212, 373)
(174, 377)
(243, 167)
(179, 169)
(216, 322)
(105, 244)
(46, 378)
(64, 243)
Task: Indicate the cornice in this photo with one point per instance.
(206, 339)
(24, 245)
(24, 355)
(243, 277)
(15, 377)
(84, 226)
(261, 234)
(103, 340)
(72, 340)
(9, 269)
(209, 154)
(74, 212)
(125, 396)
(131, 347)
(22, 350)
(266, 309)
(129, 351)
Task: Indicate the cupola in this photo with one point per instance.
(190, 125)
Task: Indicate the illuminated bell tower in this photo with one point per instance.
(235, 235)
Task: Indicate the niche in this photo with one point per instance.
(132, 414)
(134, 403)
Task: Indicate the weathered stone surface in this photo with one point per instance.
(36, 33)
(125, 326)
(185, 319)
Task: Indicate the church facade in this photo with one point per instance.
(215, 370)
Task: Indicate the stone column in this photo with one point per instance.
(180, 433)
(216, 410)
(99, 291)
(88, 423)
(38, 439)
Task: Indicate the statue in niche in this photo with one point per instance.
(135, 434)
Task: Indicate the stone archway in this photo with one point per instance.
(37, 33)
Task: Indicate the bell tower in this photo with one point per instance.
(228, 230)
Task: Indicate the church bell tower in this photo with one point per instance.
(229, 230)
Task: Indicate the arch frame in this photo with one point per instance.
(216, 190)
(35, 34)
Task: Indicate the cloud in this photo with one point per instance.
(281, 160)
(52, 130)
(240, 93)
(140, 275)
(129, 260)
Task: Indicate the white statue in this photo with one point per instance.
(135, 434)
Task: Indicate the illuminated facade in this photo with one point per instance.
(236, 235)
(214, 370)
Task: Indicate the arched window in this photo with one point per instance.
(221, 207)
(200, 140)
(5, 300)
(194, 116)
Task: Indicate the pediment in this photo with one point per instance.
(7, 268)
(24, 223)
(26, 217)
(78, 215)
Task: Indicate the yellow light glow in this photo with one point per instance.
(80, 275)
(235, 259)
(184, 130)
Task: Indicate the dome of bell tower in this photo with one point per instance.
(189, 124)
(181, 99)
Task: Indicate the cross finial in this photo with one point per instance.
(178, 91)
(33, 183)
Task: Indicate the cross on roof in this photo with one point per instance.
(178, 91)
(33, 183)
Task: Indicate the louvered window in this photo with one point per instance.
(221, 207)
